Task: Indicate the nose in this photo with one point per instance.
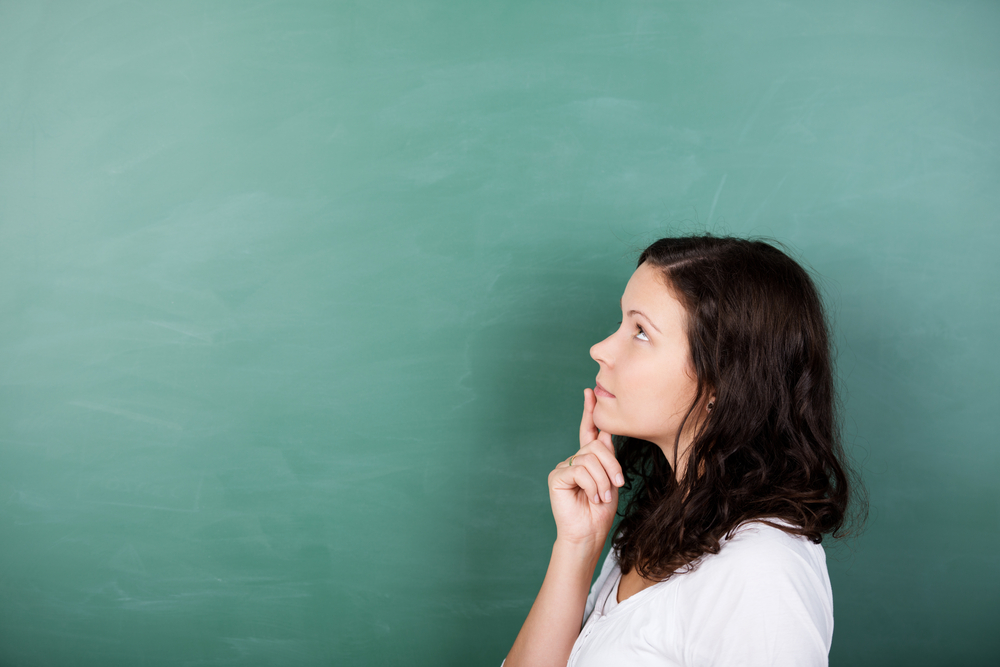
(601, 352)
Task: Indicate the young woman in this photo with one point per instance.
(719, 389)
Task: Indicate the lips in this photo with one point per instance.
(602, 392)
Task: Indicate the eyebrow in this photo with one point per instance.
(644, 316)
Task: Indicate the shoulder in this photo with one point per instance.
(766, 561)
(761, 548)
(766, 593)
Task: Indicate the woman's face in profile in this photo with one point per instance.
(646, 382)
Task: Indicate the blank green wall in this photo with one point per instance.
(296, 301)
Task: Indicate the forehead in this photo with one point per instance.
(649, 284)
(648, 291)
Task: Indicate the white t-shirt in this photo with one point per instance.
(763, 600)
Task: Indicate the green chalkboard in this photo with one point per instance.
(296, 301)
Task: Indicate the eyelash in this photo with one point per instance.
(642, 333)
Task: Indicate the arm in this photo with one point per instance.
(584, 499)
(552, 626)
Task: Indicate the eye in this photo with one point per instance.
(642, 334)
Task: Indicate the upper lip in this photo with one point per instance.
(602, 387)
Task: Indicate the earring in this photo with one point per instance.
(711, 404)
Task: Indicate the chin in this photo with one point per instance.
(602, 427)
(605, 424)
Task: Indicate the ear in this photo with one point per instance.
(711, 403)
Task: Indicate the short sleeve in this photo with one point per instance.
(764, 600)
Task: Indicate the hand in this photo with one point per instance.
(583, 489)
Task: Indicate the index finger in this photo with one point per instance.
(588, 432)
(605, 439)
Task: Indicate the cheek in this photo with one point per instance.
(652, 394)
(640, 404)
(666, 397)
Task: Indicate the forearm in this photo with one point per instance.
(553, 624)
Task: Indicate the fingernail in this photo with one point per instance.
(619, 480)
(597, 499)
(607, 496)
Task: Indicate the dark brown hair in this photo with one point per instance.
(770, 447)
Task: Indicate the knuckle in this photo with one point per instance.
(595, 453)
